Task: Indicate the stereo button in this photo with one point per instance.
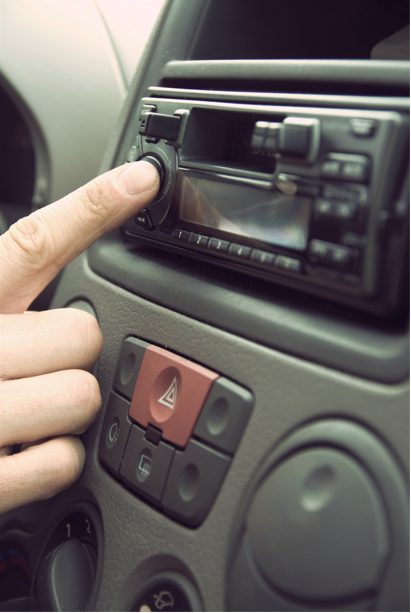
(356, 170)
(363, 127)
(262, 257)
(182, 235)
(339, 256)
(239, 250)
(331, 168)
(158, 126)
(346, 211)
(143, 220)
(330, 254)
(285, 263)
(198, 239)
(324, 207)
(218, 245)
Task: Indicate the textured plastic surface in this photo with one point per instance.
(282, 319)
(317, 528)
(334, 506)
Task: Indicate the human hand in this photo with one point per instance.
(46, 393)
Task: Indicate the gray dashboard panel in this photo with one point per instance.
(291, 322)
(289, 392)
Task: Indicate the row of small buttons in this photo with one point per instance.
(174, 402)
(331, 254)
(333, 209)
(266, 258)
(346, 167)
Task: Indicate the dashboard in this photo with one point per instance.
(252, 451)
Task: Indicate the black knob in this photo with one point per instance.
(158, 165)
(66, 577)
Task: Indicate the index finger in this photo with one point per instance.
(36, 247)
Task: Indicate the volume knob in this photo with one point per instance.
(158, 165)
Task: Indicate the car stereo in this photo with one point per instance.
(310, 197)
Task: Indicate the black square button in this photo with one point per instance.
(115, 432)
(131, 356)
(195, 478)
(224, 415)
(145, 466)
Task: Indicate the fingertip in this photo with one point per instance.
(138, 178)
(69, 459)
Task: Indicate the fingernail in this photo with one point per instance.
(138, 177)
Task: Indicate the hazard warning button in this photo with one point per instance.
(170, 392)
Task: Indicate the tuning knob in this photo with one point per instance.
(294, 137)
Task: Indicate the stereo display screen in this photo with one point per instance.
(243, 210)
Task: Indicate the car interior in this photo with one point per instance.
(252, 449)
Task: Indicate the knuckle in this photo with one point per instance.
(31, 241)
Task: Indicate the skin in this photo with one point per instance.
(47, 395)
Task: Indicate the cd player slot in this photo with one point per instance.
(221, 140)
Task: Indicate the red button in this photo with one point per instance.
(170, 392)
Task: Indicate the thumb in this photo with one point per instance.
(36, 247)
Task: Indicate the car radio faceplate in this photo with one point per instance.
(309, 197)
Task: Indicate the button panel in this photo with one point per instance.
(174, 442)
(346, 167)
(241, 252)
(329, 254)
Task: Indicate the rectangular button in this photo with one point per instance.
(128, 365)
(356, 170)
(169, 394)
(319, 250)
(225, 415)
(241, 251)
(262, 257)
(181, 235)
(198, 239)
(339, 255)
(145, 466)
(115, 431)
(218, 245)
(195, 478)
(323, 207)
(346, 211)
(330, 168)
(330, 254)
(347, 194)
(363, 127)
(162, 126)
(285, 263)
